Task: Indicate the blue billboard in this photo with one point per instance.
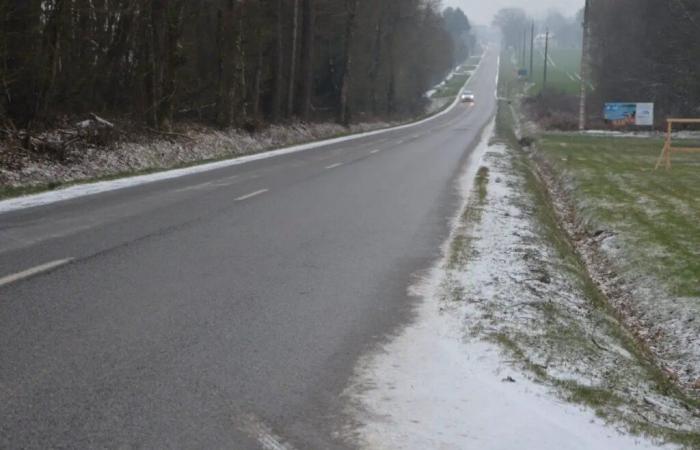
(626, 114)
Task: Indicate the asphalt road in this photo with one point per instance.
(216, 309)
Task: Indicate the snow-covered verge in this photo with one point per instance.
(513, 346)
(192, 145)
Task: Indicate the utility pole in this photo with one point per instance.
(532, 50)
(546, 58)
(585, 49)
(524, 47)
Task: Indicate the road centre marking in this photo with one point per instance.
(333, 166)
(251, 195)
(33, 271)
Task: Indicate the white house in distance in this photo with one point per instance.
(541, 38)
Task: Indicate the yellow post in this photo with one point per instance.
(669, 144)
(666, 151)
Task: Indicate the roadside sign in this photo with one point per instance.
(627, 114)
(645, 114)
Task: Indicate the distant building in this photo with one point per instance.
(541, 38)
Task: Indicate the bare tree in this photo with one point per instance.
(307, 69)
(157, 62)
(351, 10)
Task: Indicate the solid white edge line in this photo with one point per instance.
(333, 166)
(251, 195)
(33, 271)
(83, 190)
(498, 78)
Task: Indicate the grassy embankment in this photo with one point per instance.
(656, 213)
(452, 87)
(613, 178)
(616, 189)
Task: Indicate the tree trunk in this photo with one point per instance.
(257, 83)
(19, 77)
(171, 62)
(154, 67)
(114, 62)
(293, 58)
(226, 44)
(391, 75)
(51, 49)
(344, 116)
(277, 96)
(376, 63)
(241, 68)
(308, 59)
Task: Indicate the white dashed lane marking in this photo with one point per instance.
(251, 195)
(34, 271)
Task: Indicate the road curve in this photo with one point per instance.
(224, 309)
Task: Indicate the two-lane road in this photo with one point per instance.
(211, 310)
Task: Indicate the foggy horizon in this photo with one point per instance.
(480, 13)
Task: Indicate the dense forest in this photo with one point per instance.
(652, 55)
(222, 62)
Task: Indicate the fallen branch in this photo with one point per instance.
(605, 349)
(101, 121)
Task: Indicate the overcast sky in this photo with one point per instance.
(481, 11)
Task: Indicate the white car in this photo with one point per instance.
(468, 97)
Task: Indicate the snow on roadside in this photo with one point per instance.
(444, 383)
(228, 148)
(198, 144)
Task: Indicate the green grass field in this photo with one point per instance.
(562, 71)
(452, 87)
(656, 213)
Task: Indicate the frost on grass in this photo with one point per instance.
(487, 360)
(638, 231)
(523, 287)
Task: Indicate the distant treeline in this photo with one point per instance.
(223, 62)
(516, 27)
(647, 51)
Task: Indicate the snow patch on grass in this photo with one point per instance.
(479, 367)
(652, 247)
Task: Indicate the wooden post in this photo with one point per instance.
(669, 144)
(667, 147)
(668, 150)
